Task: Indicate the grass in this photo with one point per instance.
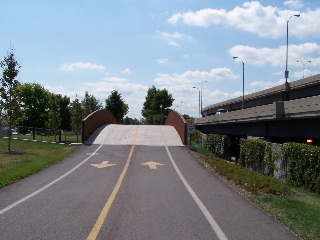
(65, 137)
(28, 158)
(300, 212)
(296, 208)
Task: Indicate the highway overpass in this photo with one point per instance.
(289, 112)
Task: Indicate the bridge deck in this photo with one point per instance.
(148, 135)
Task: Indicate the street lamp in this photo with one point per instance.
(303, 67)
(201, 96)
(161, 112)
(287, 72)
(199, 99)
(242, 80)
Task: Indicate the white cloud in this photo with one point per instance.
(277, 56)
(81, 65)
(267, 22)
(116, 79)
(162, 60)
(127, 71)
(195, 76)
(306, 73)
(173, 38)
(132, 94)
(127, 88)
(266, 84)
(295, 4)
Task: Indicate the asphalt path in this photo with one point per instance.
(131, 182)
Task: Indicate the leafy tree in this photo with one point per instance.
(130, 121)
(156, 106)
(9, 92)
(90, 104)
(76, 116)
(35, 100)
(65, 113)
(116, 105)
(54, 116)
(188, 118)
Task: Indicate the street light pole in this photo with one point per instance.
(242, 81)
(287, 72)
(199, 99)
(303, 67)
(161, 112)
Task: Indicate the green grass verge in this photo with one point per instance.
(296, 208)
(28, 158)
(300, 212)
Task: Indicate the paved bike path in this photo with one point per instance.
(66, 200)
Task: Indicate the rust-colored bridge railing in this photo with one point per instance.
(179, 123)
(94, 121)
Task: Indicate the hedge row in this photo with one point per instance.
(218, 145)
(303, 161)
(303, 165)
(257, 155)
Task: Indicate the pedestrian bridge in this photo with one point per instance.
(101, 126)
(146, 135)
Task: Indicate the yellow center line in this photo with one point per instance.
(103, 215)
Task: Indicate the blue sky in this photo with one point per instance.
(74, 46)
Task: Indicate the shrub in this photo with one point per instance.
(303, 165)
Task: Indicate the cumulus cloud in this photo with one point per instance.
(195, 76)
(306, 73)
(276, 56)
(162, 60)
(266, 84)
(127, 71)
(104, 87)
(265, 21)
(115, 79)
(295, 4)
(81, 65)
(174, 38)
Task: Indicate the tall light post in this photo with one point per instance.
(287, 72)
(303, 67)
(242, 81)
(161, 106)
(199, 99)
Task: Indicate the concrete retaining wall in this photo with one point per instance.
(94, 121)
(179, 123)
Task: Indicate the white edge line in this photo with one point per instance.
(49, 184)
(203, 209)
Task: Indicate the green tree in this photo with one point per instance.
(76, 116)
(54, 116)
(116, 105)
(156, 106)
(65, 112)
(35, 100)
(130, 121)
(9, 92)
(90, 104)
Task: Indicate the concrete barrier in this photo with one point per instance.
(94, 121)
(298, 108)
(179, 123)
